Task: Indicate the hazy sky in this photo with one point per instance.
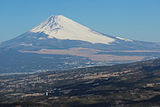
(133, 19)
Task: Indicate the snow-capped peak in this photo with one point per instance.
(60, 27)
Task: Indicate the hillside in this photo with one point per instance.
(125, 85)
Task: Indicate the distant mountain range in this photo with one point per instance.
(60, 43)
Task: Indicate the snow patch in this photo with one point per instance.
(128, 40)
(24, 44)
(41, 38)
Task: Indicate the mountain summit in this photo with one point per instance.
(60, 27)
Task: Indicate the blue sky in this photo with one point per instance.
(133, 19)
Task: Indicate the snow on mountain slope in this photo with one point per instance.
(128, 40)
(60, 27)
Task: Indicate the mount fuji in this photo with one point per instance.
(60, 43)
(63, 28)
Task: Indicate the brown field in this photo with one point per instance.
(90, 53)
